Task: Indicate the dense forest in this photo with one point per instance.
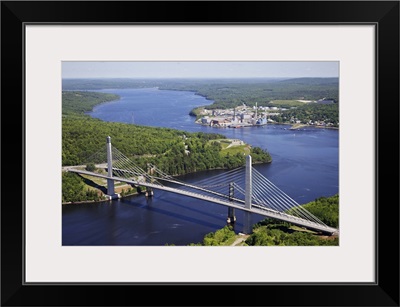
(328, 113)
(270, 232)
(326, 209)
(173, 151)
(227, 93)
(74, 102)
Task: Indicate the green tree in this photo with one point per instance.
(90, 167)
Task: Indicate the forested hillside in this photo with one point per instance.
(227, 93)
(74, 102)
(173, 151)
(270, 232)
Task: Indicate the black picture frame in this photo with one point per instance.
(383, 14)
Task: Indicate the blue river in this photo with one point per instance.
(305, 166)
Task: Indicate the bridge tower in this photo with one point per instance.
(248, 194)
(110, 182)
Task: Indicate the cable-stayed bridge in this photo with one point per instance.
(242, 188)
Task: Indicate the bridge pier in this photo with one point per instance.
(149, 192)
(231, 211)
(231, 219)
(247, 225)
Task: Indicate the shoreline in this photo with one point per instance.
(293, 126)
(97, 201)
(299, 126)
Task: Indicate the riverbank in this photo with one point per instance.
(101, 200)
(301, 126)
(293, 126)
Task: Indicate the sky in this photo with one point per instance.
(199, 69)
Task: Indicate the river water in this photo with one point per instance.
(305, 166)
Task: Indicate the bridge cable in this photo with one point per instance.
(282, 202)
(287, 200)
(123, 162)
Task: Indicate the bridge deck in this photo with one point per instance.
(257, 209)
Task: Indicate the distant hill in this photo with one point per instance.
(225, 93)
(312, 81)
(84, 84)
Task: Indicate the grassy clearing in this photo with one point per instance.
(287, 103)
(100, 184)
(231, 147)
(298, 228)
(242, 149)
(97, 180)
(224, 142)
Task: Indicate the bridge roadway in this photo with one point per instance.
(254, 207)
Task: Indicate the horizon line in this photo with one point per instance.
(199, 77)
